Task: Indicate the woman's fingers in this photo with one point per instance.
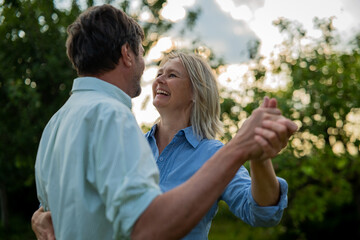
(290, 125)
(268, 112)
(279, 129)
(268, 150)
(269, 102)
(276, 133)
(272, 103)
(265, 104)
(41, 223)
(271, 136)
(275, 130)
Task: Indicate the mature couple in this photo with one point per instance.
(101, 179)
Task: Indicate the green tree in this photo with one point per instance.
(323, 99)
(35, 80)
(321, 163)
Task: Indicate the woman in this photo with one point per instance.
(186, 95)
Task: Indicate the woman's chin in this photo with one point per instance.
(159, 104)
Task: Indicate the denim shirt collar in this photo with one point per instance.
(96, 84)
(192, 139)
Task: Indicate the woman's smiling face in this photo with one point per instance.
(172, 88)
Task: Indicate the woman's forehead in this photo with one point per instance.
(173, 64)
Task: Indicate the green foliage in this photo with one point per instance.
(35, 80)
(321, 163)
(325, 148)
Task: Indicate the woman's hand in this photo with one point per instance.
(273, 136)
(266, 132)
(42, 226)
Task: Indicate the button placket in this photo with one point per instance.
(165, 155)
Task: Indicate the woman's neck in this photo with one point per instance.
(167, 128)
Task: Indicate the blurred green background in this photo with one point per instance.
(320, 93)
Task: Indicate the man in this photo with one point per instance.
(94, 169)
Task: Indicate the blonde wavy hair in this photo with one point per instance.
(205, 115)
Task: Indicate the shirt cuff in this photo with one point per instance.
(134, 210)
(269, 215)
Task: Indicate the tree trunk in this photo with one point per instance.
(4, 207)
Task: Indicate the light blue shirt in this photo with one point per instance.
(94, 169)
(185, 155)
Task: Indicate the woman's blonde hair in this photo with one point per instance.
(205, 115)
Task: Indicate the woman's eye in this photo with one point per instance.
(172, 75)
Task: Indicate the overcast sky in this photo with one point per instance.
(228, 25)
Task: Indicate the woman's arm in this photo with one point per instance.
(42, 226)
(172, 214)
(265, 187)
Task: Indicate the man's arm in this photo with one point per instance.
(173, 214)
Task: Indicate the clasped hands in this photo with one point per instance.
(266, 132)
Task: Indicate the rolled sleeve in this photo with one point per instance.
(130, 211)
(242, 204)
(270, 215)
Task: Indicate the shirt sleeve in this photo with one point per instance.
(126, 175)
(242, 204)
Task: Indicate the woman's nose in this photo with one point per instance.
(160, 79)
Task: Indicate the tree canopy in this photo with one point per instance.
(321, 82)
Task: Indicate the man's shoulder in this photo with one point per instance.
(91, 110)
(102, 99)
(110, 104)
(97, 103)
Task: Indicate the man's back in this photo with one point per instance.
(83, 174)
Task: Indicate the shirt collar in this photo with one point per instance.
(188, 132)
(152, 131)
(96, 84)
(191, 137)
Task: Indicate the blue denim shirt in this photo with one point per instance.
(185, 155)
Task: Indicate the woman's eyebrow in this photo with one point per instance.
(161, 70)
(174, 71)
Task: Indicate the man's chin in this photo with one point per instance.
(137, 93)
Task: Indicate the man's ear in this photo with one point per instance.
(126, 54)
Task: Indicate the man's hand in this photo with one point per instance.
(42, 226)
(274, 135)
(271, 136)
(265, 132)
